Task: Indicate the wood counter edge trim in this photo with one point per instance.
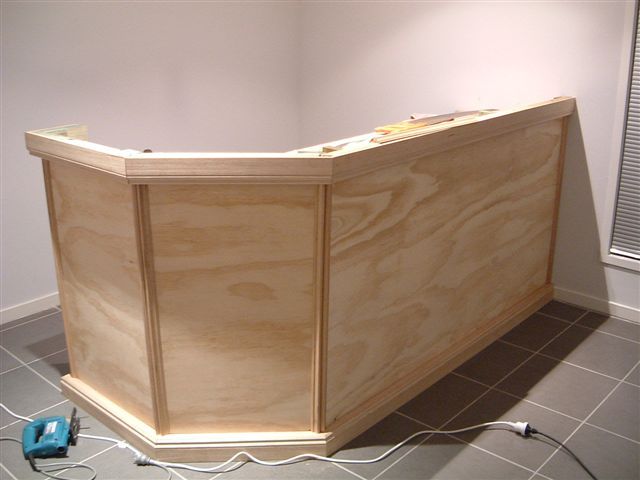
(62, 146)
(321, 289)
(58, 159)
(229, 179)
(262, 167)
(57, 256)
(153, 340)
(374, 410)
(558, 194)
(139, 168)
(197, 447)
(352, 164)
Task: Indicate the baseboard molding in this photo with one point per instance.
(36, 305)
(199, 447)
(598, 304)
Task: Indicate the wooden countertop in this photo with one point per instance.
(70, 144)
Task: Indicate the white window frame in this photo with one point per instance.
(620, 119)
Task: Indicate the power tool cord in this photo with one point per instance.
(522, 428)
(534, 431)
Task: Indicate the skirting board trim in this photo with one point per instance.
(190, 447)
(598, 304)
(30, 307)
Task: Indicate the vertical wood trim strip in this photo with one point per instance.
(321, 269)
(152, 326)
(556, 208)
(57, 255)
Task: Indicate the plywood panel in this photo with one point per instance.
(235, 285)
(100, 284)
(424, 252)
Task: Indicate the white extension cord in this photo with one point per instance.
(140, 458)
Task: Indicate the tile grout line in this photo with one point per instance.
(585, 420)
(347, 470)
(35, 413)
(512, 395)
(564, 320)
(531, 402)
(2, 330)
(515, 368)
(477, 447)
(587, 311)
(398, 460)
(8, 472)
(609, 334)
(614, 317)
(407, 453)
(612, 433)
(551, 357)
(231, 467)
(34, 371)
(172, 470)
(33, 361)
(91, 457)
(481, 395)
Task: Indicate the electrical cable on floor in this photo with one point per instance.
(54, 467)
(533, 431)
(522, 428)
(12, 439)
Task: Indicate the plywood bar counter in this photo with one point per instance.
(284, 303)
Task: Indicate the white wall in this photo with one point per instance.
(367, 64)
(276, 75)
(181, 76)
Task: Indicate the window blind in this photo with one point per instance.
(625, 240)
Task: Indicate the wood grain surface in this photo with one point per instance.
(100, 280)
(235, 282)
(425, 252)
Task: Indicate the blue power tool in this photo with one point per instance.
(49, 436)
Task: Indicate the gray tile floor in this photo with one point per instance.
(571, 373)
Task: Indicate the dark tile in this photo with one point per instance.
(377, 440)
(615, 326)
(562, 310)
(443, 400)
(565, 388)
(27, 319)
(11, 453)
(607, 456)
(535, 331)
(36, 339)
(444, 457)
(634, 376)
(53, 366)
(620, 413)
(496, 406)
(24, 392)
(596, 351)
(493, 363)
(7, 362)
